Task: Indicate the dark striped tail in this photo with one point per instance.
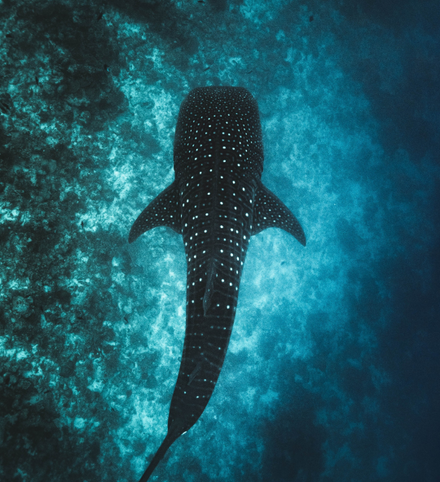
(169, 439)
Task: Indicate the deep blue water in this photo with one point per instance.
(333, 367)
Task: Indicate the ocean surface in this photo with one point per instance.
(332, 373)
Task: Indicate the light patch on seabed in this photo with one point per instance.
(269, 397)
(79, 423)
(240, 340)
(121, 177)
(261, 12)
(266, 252)
(11, 353)
(148, 422)
(8, 214)
(19, 284)
(164, 111)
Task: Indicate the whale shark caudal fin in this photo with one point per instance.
(270, 212)
(169, 439)
(162, 211)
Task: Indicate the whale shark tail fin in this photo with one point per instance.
(169, 439)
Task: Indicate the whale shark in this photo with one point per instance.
(216, 202)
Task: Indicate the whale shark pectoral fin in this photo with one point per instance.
(270, 212)
(164, 210)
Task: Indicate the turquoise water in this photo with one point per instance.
(332, 370)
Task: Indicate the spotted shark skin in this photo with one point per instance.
(216, 202)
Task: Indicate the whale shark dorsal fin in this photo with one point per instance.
(164, 210)
(270, 212)
(209, 290)
(194, 373)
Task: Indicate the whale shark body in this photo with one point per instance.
(216, 202)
